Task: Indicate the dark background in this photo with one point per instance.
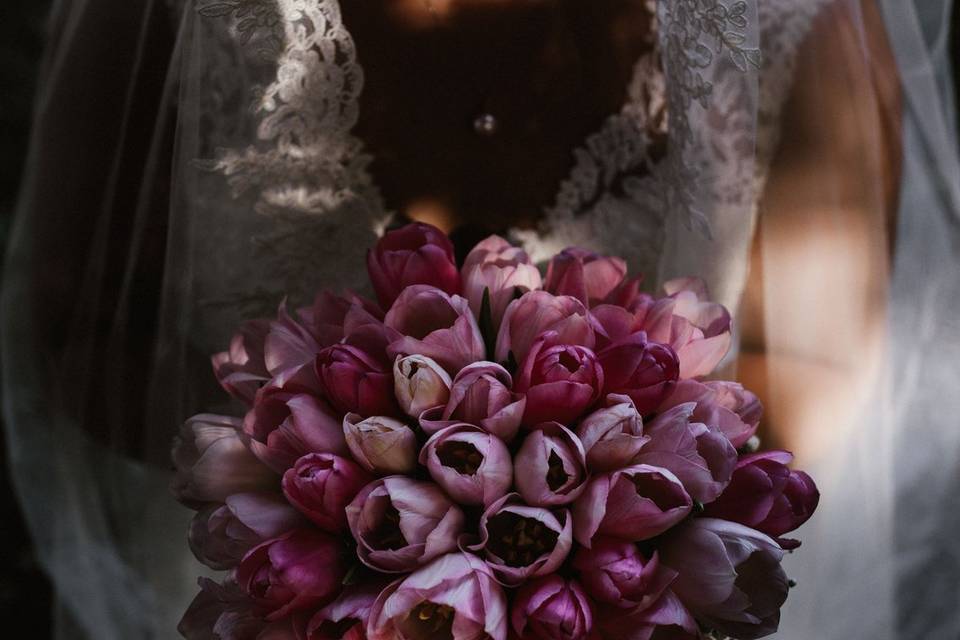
(24, 591)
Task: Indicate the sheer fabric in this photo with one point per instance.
(195, 162)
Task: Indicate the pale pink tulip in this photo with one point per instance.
(381, 445)
(520, 542)
(420, 384)
(497, 267)
(401, 524)
(612, 436)
(472, 466)
(455, 597)
(481, 395)
(437, 325)
(550, 468)
(537, 312)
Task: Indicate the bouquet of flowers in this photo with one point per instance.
(487, 453)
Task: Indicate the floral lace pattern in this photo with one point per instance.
(696, 96)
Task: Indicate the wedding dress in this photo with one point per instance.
(270, 195)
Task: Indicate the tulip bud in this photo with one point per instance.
(500, 269)
(472, 466)
(414, 254)
(612, 437)
(355, 381)
(400, 524)
(420, 384)
(584, 275)
(537, 312)
(645, 371)
(635, 503)
(560, 381)
(321, 485)
(519, 542)
(615, 572)
(482, 395)
(381, 445)
(551, 608)
(550, 468)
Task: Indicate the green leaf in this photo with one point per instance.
(486, 324)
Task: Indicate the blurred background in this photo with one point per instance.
(24, 591)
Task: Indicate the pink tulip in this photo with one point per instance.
(764, 494)
(212, 462)
(537, 312)
(436, 325)
(584, 275)
(455, 597)
(551, 608)
(331, 317)
(550, 468)
(346, 617)
(635, 503)
(615, 572)
(321, 485)
(665, 619)
(283, 426)
(472, 466)
(300, 570)
(356, 381)
(729, 576)
(241, 370)
(697, 329)
(221, 534)
(700, 455)
(382, 446)
(481, 395)
(401, 524)
(645, 371)
(503, 270)
(420, 384)
(726, 405)
(415, 254)
(560, 381)
(520, 542)
(612, 436)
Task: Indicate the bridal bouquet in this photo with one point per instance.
(486, 453)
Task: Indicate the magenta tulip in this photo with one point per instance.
(382, 446)
(221, 611)
(472, 466)
(436, 325)
(560, 381)
(520, 542)
(355, 381)
(550, 468)
(612, 436)
(700, 455)
(635, 503)
(481, 395)
(455, 597)
(401, 524)
(551, 608)
(502, 270)
(241, 369)
(212, 462)
(729, 576)
(645, 371)
(221, 534)
(420, 384)
(615, 572)
(414, 254)
(300, 570)
(537, 312)
(766, 495)
(584, 275)
(283, 426)
(321, 485)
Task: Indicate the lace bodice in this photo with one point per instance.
(304, 207)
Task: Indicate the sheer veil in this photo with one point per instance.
(194, 161)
